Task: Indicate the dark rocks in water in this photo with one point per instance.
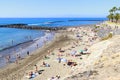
(26, 26)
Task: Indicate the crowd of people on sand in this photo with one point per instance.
(33, 73)
(80, 33)
(15, 55)
(84, 36)
(8, 58)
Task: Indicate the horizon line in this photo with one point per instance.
(53, 17)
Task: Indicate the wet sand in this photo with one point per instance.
(22, 49)
(16, 71)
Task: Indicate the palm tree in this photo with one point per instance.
(110, 17)
(114, 15)
(114, 9)
(117, 17)
(111, 11)
(119, 12)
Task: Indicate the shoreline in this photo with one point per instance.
(37, 56)
(11, 68)
(30, 42)
(16, 45)
(23, 48)
(45, 31)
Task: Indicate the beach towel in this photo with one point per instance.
(64, 60)
(73, 52)
(81, 50)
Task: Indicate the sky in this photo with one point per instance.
(56, 8)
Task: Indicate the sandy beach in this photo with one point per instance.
(70, 53)
(69, 43)
(60, 40)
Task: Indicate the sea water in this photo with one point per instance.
(11, 36)
(52, 22)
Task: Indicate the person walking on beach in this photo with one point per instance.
(12, 42)
(59, 60)
(18, 57)
(37, 45)
(36, 68)
(28, 53)
(7, 58)
(49, 52)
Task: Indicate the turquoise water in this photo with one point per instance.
(9, 37)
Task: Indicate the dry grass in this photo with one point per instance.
(96, 27)
(107, 37)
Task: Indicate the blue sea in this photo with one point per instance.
(10, 36)
(52, 22)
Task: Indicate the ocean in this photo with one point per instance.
(52, 22)
(11, 37)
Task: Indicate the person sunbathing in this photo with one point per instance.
(70, 63)
(60, 50)
(31, 75)
(46, 57)
(46, 64)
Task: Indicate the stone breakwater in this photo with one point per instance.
(32, 27)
